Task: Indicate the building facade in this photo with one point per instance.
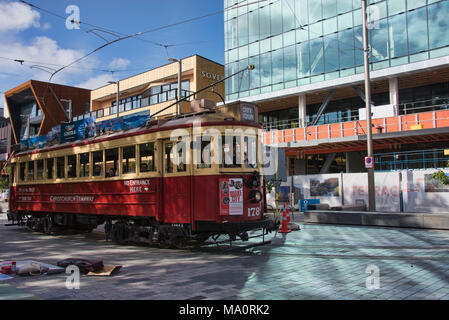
(156, 89)
(308, 79)
(35, 107)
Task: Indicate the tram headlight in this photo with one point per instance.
(255, 196)
(253, 181)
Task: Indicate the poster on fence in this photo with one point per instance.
(387, 188)
(423, 193)
(326, 187)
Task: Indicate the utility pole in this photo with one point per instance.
(179, 82)
(117, 95)
(369, 128)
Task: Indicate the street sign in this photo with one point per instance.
(369, 162)
(303, 203)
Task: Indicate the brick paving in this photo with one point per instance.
(318, 262)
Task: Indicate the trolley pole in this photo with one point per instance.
(117, 95)
(369, 133)
(179, 83)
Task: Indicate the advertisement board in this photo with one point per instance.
(231, 196)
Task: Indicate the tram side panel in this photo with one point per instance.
(176, 199)
(137, 198)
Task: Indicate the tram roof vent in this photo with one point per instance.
(200, 105)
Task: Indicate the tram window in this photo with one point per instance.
(231, 152)
(111, 163)
(84, 164)
(97, 157)
(60, 168)
(204, 156)
(50, 167)
(250, 152)
(40, 169)
(30, 172)
(168, 157)
(13, 173)
(129, 160)
(22, 171)
(71, 166)
(146, 151)
(181, 157)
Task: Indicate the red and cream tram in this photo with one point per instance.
(161, 183)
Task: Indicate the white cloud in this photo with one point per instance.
(44, 51)
(46, 26)
(119, 63)
(15, 16)
(96, 81)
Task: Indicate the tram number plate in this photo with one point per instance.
(253, 212)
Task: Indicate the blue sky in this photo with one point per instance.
(43, 39)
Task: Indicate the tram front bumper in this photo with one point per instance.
(236, 227)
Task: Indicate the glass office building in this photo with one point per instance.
(309, 76)
(294, 43)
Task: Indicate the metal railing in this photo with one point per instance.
(424, 106)
(142, 103)
(405, 160)
(425, 120)
(404, 109)
(294, 123)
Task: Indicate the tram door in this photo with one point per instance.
(175, 182)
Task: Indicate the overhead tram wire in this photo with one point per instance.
(24, 62)
(95, 27)
(117, 34)
(135, 35)
(93, 51)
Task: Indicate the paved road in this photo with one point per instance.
(318, 262)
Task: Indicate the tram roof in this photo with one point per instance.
(206, 118)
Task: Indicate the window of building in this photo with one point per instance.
(30, 171)
(40, 169)
(121, 106)
(111, 162)
(60, 168)
(147, 161)
(137, 102)
(129, 160)
(113, 108)
(49, 168)
(129, 104)
(98, 164)
(84, 164)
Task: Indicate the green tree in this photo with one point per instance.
(4, 184)
(441, 176)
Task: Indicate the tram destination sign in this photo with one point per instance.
(248, 113)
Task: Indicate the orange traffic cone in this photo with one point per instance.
(284, 225)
